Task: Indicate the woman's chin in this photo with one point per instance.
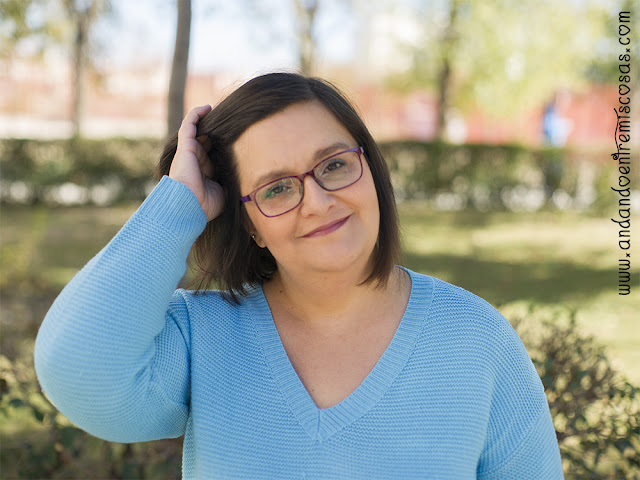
(337, 262)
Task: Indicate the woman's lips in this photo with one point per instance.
(328, 228)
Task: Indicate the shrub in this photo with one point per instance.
(39, 442)
(596, 412)
(41, 165)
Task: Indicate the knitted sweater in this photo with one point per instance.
(128, 358)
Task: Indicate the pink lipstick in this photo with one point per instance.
(328, 228)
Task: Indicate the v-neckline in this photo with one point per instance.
(321, 423)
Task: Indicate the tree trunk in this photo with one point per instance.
(448, 42)
(177, 85)
(306, 12)
(83, 14)
(444, 76)
(79, 68)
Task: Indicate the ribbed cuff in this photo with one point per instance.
(172, 205)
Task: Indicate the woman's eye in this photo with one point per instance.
(276, 190)
(333, 165)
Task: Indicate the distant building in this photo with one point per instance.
(35, 101)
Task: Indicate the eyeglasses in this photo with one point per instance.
(284, 194)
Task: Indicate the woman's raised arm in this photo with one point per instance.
(113, 351)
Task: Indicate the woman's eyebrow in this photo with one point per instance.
(327, 151)
(318, 156)
(268, 177)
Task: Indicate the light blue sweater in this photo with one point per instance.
(127, 358)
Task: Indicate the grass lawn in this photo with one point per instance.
(543, 259)
(549, 260)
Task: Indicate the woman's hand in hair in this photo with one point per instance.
(193, 167)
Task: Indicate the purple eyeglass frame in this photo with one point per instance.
(301, 177)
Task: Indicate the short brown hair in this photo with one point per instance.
(225, 256)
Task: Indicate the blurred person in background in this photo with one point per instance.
(317, 356)
(555, 128)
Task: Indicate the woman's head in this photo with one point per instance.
(225, 254)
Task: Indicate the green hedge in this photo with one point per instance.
(483, 176)
(472, 175)
(44, 164)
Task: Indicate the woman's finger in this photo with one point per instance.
(205, 141)
(204, 160)
(206, 165)
(188, 127)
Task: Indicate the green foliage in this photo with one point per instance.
(504, 56)
(483, 175)
(604, 68)
(46, 24)
(39, 442)
(426, 168)
(43, 164)
(17, 22)
(596, 412)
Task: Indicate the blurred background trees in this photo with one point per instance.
(500, 56)
(63, 23)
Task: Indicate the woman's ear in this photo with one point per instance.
(255, 236)
(251, 229)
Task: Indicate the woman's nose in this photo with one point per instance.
(316, 200)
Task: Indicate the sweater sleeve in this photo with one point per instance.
(112, 353)
(521, 440)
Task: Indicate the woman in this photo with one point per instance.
(318, 358)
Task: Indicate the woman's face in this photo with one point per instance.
(288, 143)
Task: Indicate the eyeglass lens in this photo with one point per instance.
(286, 193)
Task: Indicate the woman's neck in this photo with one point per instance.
(335, 302)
